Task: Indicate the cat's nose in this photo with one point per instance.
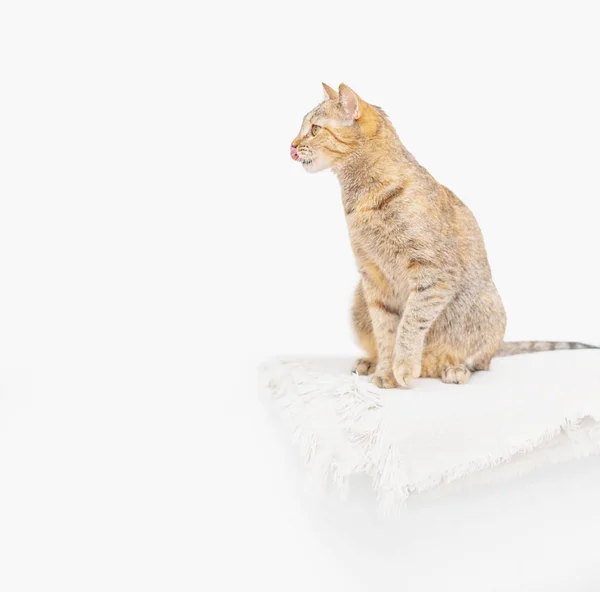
(294, 153)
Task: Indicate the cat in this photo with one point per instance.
(426, 304)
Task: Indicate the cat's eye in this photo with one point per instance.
(314, 130)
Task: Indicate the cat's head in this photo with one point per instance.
(333, 130)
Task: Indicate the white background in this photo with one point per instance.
(157, 242)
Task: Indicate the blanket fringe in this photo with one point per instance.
(361, 441)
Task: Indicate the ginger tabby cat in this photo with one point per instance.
(426, 304)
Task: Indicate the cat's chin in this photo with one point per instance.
(313, 166)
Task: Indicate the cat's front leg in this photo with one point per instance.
(425, 303)
(384, 319)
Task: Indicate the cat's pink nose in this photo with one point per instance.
(294, 153)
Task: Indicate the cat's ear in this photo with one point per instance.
(329, 92)
(350, 102)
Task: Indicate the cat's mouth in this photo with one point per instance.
(307, 161)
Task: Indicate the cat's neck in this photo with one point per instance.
(373, 167)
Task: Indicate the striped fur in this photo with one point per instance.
(426, 304)
(510, 348)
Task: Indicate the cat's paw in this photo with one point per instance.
(405, 372)
(364, 366)
(456, 374)
(385, 381)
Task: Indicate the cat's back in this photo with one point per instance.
(470, 242)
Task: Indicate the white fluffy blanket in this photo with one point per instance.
(530, 410)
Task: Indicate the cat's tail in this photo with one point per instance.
(510, 348)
